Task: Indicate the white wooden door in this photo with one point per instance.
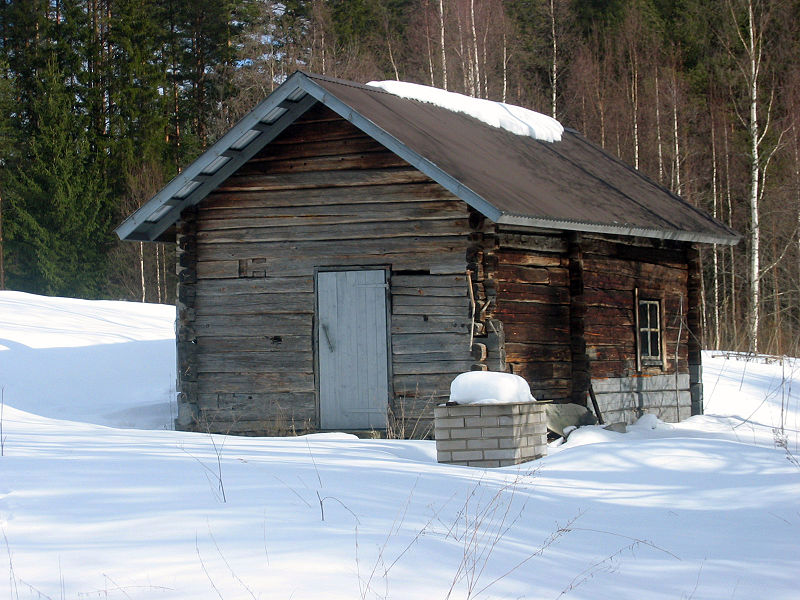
(353, 349)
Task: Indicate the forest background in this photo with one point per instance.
(103, 101)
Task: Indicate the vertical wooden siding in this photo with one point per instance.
(323, 194)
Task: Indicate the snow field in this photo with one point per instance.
(91, 507)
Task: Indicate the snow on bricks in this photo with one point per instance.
(491, 421)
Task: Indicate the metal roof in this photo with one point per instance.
(511, 179)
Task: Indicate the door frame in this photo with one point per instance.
(387, 269)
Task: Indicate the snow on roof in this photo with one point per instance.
(515, 119)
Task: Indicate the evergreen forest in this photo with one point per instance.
(104, 101)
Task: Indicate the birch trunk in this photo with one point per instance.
(677, 149)
(555, 58)
(729, 203)
(141, 271)
(715, 211)
(476, 72)
(441, 43)
(159, 258)
(659, 140)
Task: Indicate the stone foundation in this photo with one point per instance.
(490, 435)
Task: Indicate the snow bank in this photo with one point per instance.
(95, 361)
(515, 119)
(485, 387)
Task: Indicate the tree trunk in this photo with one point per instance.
(441, 42)
(677, 174)
(659, 140)
(476, 72)
(141, 271)
(715, 211)
(554, 64)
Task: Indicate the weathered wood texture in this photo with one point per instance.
(694, 323)
(613, 270)
(525, 280)
(321, 195)
(186, 355)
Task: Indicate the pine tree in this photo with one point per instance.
(59, 217)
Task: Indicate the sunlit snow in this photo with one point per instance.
(515, 119)
(487, 387)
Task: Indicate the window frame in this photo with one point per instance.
(649, 360)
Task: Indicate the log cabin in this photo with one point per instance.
(343, 253)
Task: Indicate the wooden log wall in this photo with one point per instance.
(322, 194)
(613, 269)
(526, 279)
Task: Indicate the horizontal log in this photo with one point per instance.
(426, 281)
(328, 212)
(423, 385)
(364, 160)
(404, 324)
(431, 356)
(529, 258)
(252, 325)
(517, 309)
(405, 343)
(320, 251)
(255, 362)
(432, 301)
(329, 179)
(244, 304)
(431, 292)
(521, 292)
(249, 286)
(543, 371)
(431, 367)
(595, 297)
(533, 333)
(254, 232)
(542, 322)
(303, 131)
(348, 145)
(294, 199)
(633, 252)
(259, 404)
(540, 243)
(454, 312)
(290, 381)
(217, 269)
(609, 315)
(262, 343)
(625, 352)
(441, 262)
(516, 352)
(525, 274)
(597, 334)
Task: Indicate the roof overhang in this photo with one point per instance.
(231, 151)
(620, 229)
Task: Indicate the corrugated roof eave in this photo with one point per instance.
(618, 229)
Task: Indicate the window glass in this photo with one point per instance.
(649, 331)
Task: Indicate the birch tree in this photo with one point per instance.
(750, 19)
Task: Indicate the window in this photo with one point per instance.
(648, 330)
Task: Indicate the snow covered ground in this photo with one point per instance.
(98, 499)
